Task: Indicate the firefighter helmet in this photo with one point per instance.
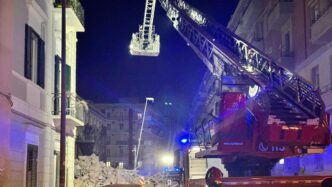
(213, 177)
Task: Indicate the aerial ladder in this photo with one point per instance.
(286, 115)
(145, 42)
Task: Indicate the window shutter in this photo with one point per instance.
(57, 74)
(68, 77)
(41, 63)
(57, 85)
(27, 57)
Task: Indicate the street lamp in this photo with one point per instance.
(62, 175)
(167, 160)
(141, 130)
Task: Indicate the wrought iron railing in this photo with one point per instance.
(75, 5)
(75, 106)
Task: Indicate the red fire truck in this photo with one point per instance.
(266, 111)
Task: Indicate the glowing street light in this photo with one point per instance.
(167, 160)
(168, 103)
(141, 130)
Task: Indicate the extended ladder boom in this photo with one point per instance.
(145, 42)
(217, 46)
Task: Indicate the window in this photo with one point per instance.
(57, 167)
(139, 116)
(147, 142)
(286, 39)
(31, 166)
(314, 13)
(121, 116)
(120, 151)
(34, 64)
(56, 105)
(287, 44)
(315, 76)
(108, 115)
(68, 77)
(259, 31)
(121, 126)
(216, 108)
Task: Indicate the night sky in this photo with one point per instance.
(106, 71)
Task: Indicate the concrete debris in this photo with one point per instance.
(90, 172)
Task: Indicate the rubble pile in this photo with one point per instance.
(158, 180)
(90, 172)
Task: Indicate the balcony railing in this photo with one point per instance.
(75, 106)
(75, 5)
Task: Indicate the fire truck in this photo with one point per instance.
(266, 111)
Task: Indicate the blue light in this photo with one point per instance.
(165, 169)
(177, 169)
(184, 140)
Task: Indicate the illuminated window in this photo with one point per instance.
(139, 116)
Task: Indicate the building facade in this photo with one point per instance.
(30, 50)
(112, 132)
(91, 137)
(123, 124)
(298, 35)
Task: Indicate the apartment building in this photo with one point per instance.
(298, 35)
(30, 43)
(90, 138)
(121, 134)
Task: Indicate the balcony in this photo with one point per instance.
(75, 111)
(74, 12)
(279, 14)
(321, 29)
(327, 95)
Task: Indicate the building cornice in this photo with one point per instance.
(35, 122)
